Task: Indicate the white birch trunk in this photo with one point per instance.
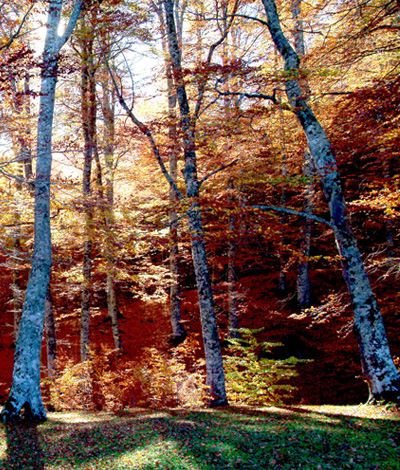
(382, 375)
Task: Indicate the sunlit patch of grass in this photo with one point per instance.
(244, 438)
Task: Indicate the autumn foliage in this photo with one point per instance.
(250, 154)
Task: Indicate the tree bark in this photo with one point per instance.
(233, 323)
(89, 131)
(212, 348)
(382, 375)
(108, 108)
(283, 257)
(50, 337)
(178, 330)
(303, 278)
(23, 152)
(25, 388)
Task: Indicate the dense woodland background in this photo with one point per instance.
(121, 242)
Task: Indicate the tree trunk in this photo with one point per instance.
(89, 130)
(178, 330)
(24, 178)
(233, 323)
(25, 387)
(212, 348)
(303, 279)
(381, 373)
(50, 337)
(108, 108)
(283, 257)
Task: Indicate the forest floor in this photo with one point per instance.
(320, 437)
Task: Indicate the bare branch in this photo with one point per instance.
(337, 93)
(247, 95)
(146, 131)
(223, 167)
(202, 87)
(17, 33)
(293, 212)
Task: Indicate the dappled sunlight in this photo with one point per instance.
(75, 417)
(181, 439)
(160, 453)
(361, 411)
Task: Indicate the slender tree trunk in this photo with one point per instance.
(25, 138)
(24, 178)
(282, 287)
(17, 283)
(25, 387)
(108, 107)
(212, 348)
(303, 279)
(89, 129)
(233, 322)
(178, 330)
(381, 373)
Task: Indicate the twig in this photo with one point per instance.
(216, 171)
(14, 36)
(146, 131)
(247, 95)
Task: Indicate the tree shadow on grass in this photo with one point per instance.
(206, 439)
(24, 450)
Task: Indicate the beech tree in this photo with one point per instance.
(378, 366)
(178, 330)
(25, 388)
(212, 348)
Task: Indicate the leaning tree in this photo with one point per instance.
(382, 375)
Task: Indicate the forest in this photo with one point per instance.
(199, 203)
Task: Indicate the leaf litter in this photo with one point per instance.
(326, 437)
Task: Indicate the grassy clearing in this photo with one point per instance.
(231, 438)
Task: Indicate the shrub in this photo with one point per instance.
(252, 380)
(109, 382)
(174, 379)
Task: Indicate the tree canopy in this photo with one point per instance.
(211, 166)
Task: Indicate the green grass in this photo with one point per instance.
(232, 438)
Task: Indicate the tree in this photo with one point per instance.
(25, 388)
(212, 348)
(178, 330)
(381, 373)
(89, 118)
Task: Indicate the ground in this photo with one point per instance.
(320, 437)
